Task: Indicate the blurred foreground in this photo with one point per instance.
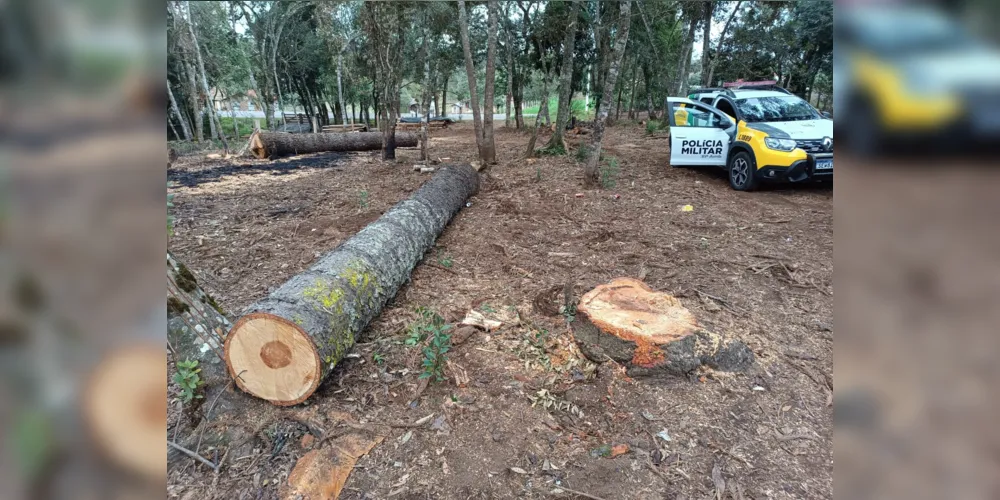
(916, 77)
(83, 241)
(918, 262)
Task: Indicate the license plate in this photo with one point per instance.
(824, 164)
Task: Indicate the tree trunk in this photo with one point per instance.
(281, 102)
(425, 94)
(722, 38)
(470, 71)
(618, 104)
(621, 39)
(488, 150)
(538, 122)
(566, 78)
(635, 83)
(602, 56)
(650, 110)
(340, 88)
(685, 59)
(199, 120)
(236, 126)
(444, 95)
(277, 144)
(177, 113)
(706, 44)
(519, 102)
(286, 344)
(390, 101)
(510, 81)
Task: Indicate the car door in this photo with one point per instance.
(699, 134)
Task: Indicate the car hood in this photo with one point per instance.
(804, 129)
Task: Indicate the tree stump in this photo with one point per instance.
(650, 333)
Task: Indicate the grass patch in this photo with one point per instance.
(609, 173)
(578, 109)
(654, 125)
(245, 125)
(556, 150)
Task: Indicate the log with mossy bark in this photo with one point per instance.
(277, 144)
(286, 344)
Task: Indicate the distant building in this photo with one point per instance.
(241, 102)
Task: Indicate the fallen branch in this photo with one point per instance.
(792, 437)
(579, 493)
(193, 455)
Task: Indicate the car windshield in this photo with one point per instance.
(775, 109)
(903, 33)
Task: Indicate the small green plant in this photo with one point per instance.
(363, 200)
(170, 204)
(556, 150)
(652, 126)
(434, 353)
(568, 312)
(187, 377)
(538, 174)
(378, 358)
(445, 261)
(418, 331)
(583, 153)
(609, 173)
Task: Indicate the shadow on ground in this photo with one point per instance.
(192, 174)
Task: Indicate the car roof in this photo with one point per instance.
(749, 94)
(743, 94)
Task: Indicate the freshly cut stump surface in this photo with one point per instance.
(650, 332)
(286, 344)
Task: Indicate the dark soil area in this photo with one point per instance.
(522, 412)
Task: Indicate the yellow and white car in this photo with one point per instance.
(914, 77)
(755, 134)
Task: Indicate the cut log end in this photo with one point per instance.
(273, 359)
(257, 145)
(125, 407)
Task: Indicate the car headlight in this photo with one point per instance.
(779, 144)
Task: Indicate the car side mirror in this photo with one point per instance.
(826, 114)
(725, 123)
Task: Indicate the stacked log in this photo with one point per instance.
(277, 144)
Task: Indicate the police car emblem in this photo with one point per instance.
(827, 144)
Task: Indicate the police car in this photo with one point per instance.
(756, 133)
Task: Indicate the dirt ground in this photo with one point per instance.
(753, 266)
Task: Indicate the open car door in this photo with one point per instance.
(699, 134)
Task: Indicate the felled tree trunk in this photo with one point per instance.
(284, 345)
(275, 144)
(196, 326)
(650, 333)
(195, 322)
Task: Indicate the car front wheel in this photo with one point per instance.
(742, 172)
